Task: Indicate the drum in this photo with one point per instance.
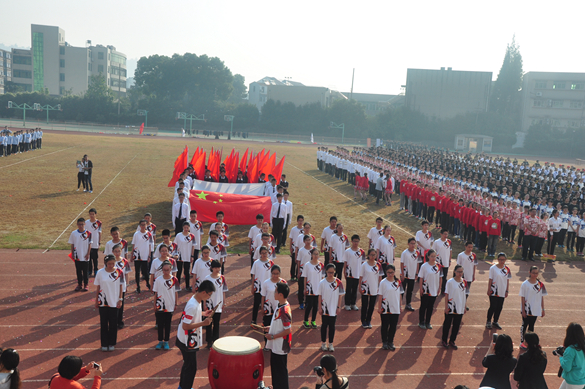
(235, 362)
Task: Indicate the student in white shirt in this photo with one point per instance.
(554, 227)
(532, 292)
(124, 266)
(108, 299)
(353, 258)
(288, 217)
(162, 254)
(141, 242)
(196, 228)
(80, 241)
(375, 232)
(410, 260)
(454, 307)
(166, 300)
(430, 285)
(277, 220)
(279, 336)
(254, 230)
(468, 260)
(303, 256)
(390, 294)
(269, 303)
(327, 232)
(94, 226)
(443, 248)
(202, 267)
(216, 300)
(338, 243)
(498, 286)
(424, 238)
(185, 248)
(108, 248)
(260, 272)
(180, 213)
(370, 275)
(330, 292)
(385, 246)
(312, 273)
(293, 235)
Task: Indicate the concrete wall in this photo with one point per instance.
(76, 73)
(299, 95)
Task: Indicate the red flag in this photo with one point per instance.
(267, 164)
(244, 161)
(141, 128)
(195, 156)
(239, 209)
(71, 257)
(180, 166)
(262, 163)
(277, 172)
(253, 170)
(199, 166)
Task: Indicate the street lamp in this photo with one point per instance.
(143, 112)
(339, 126)
(47, 108)
(24, 107)
(229, 118)
(185, 116)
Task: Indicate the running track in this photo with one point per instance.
(45, 320)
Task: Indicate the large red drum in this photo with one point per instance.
(235, 362)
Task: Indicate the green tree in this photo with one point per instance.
(239, 89)
(505, 97)
(352, 114)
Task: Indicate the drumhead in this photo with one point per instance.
(236, 345)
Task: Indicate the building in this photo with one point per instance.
(445, 93)
(60, 68)
(285, 91)
(375, 104)
(474, 143)
(5, 69)
(555, 99)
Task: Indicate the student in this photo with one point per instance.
(202, 267)
(542, 233)
(260, 272)
(269, 303)
(180, 212)
(295, 232)
(390, 293)
(123, 265)
(80, 241)
(573, 230)
(265, 241)
(498, 287)
(531, 223)
(189, 334)
(216, 300)
(94, 226)
(370, 275)
(312, 274)
(330, 294)
(166, 300)
(514, 217)
(454, 307)
(554, 228)
(196, 228)
(564, 216)
(532, 292)
(327, 232)
(185, 248)
(494, 231)
(140, 252)
(385, 246)
(108, 299)
(254, 231)
(70, 371)
(303, 256)
(166, 237)
(217, 250)
(409, 265)
(430, 274)
(162, 254)
(217, 226)
(288, 218)
(115, 234)
(468, 260)
(150, 227)
(277, 220)
(9, 372)
(581, 236)
(424, 238)
(443, 247)
(353, 258)
(375, 233)
(529, 372)
(279, 336)
(338, 243)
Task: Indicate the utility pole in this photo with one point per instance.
(119, 74)
(351, 91)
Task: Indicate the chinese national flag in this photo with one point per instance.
(180, 166)
(238, 209)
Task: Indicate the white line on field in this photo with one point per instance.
(38, 156)
(89, 205)
(151, 325)
(352, 200)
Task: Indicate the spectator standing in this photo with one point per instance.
(499, 363)
(573, 358)
(529, 372)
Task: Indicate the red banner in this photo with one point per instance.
(180, 165)
(238, 209)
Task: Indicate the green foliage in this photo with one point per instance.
(505, 98)
(239, 89)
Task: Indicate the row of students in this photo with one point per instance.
(20, 141)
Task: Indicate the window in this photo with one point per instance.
(540, 85)
(22, 73)
(8, 55)
(22, 60)
(61, 63)
(8, 73)
(1, 81)
(537, 103)
(38, 49)
(576, 104)
(573, 123)
(459, 142)
(62, 77)
(118, 58)
(559, 85)
(578, 86)
(100, 68)
(1, 54)
(89, 67)
(61, 90)
(61, 50)
(100, 55)
(8, 65)
(114, 82)
(557, 103)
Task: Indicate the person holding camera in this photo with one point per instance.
(529, 372)
(499, 363)
(71, 370)
(327, 374)
(572, 358)
(9, 373)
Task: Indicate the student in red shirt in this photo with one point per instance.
(494, 230)
(71, 370)
(432, 204)
(483, 224)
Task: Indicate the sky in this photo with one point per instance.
(319, 42)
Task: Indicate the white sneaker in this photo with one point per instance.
(347, 308)
(91, 191)
(111, 348)
(324, 347)
(85, 190)
(355, 308)
(104, 349)
(77, 189)
(331, 348)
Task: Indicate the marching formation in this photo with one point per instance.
(19, 141)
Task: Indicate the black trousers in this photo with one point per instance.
(430, 214)
(108, 326)
(266, 321)
(495, 309)
(93, 261)
(141, 267)
(179, 225)
(506, 231)
(528, 246)
(88, 184)
(408, 289)
(81, 270)
(328, 322)
(80, 180)
(521, 238)
(580, 244)
(437, 218)
(389, 325)
(121, 310)
(301, 286)
(562, 234)
(311, 307)
(527, 324)
(445, 270)
(326, 255)
(293, 267)
(512, 233)
(338, 269)
(284, 233)
(483, 240)
(351, 289)
(256, 307)
(279, 371)
(451, 320)
(427, 304)
(189, 368)
(277, 228)
(212, 330)
(378, 196)
(163, 322)
(184, 266)
(368, 305)
(539, 244)
(570, 240)
(552, 242)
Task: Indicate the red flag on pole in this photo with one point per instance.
(277, 172)
(195, 156)
(180, 166)
(239, 209)
(253, 170)
(268, 164)
(199, 166)
(141, 128)
(244, 161)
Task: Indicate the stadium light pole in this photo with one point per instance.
(47, 108)
(230, 118)
(24, 107)
(339, 126)
(143, 112)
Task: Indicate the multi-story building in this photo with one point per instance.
(445, 93)
(22, 69)
(555, 99)
(374, 103)
(5, 69)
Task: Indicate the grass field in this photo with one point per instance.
(40, 201)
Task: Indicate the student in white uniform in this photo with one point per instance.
(293, 235)
(94, 226)
(385, 246)
(390, 294)
(468, 260)
(532, 292)
(312, 273)
(254, 231)
(217, 300)
(330, 292)
(201, 267)
(124, 266)
(498, 286)
(352, 262)
(375, 233)
(166, 300)
(108, 299)
(424, 238)
(454, 307)
(260, 272)
(185, 242)
(269, 303)
(162, 255)
(370, 275)
(410, 260)
(338, 243)
(141, 242)
(430, 286)
(80, 241)
(443, 248)
(327, 232)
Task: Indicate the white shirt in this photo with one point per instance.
(281, 320)
(184, 246)
(410, 261)
(456, 292)
(337, 245)
(271, 253)
(391, 292)
(313, 274)
(110, 244)
(289, 212)
(201, 269)
(374, 234)
(81, 242)
(554, 224)
(276, 213)
(533, 294)
(191, 314)
(303, 256)
(327, 232)
(124, 267)
(261, 272)
(217, 252)
(293, 235)
(430, 276)
(270, 304)
(253, 232)
(217, 297)
(182, 208)
(197, 230)
(141, 243)
(443, 250)
(353, 262)
(370, 276)
(165, 293)
(330, 292)
(386, 247)
(469, 262)
(499, 279)
(424, 241)
(96, 230)
(109, 284)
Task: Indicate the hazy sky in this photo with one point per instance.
(319, 42)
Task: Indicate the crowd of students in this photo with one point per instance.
(19, 141)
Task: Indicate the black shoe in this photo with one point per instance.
(445, 344)
(391, 347)
(120, 325)
(277, 251)
(453, 345)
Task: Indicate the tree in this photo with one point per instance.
(505, 97)
(352, 114)
(239, 89)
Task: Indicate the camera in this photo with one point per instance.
(494, 338)
(319, 371)
(96, 366)
(559, 351)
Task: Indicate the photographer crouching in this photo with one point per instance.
(71, 370)
(327, 374)
(572, 358)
